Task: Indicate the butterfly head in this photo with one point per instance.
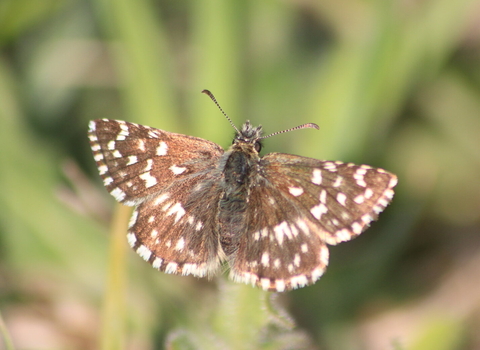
(249, 134)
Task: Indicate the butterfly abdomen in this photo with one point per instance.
(233, 204)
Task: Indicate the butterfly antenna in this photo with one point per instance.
(303, 126)
(209, 94)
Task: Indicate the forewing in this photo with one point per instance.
(136, 161)
(176, 230)
(297, 206)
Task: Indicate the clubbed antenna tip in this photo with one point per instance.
(209, 94)
(303, 126)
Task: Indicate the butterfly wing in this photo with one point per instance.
(135, 161)
(176, 231)
(173, 180)
(297, 206)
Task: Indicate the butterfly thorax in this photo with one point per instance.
(238, 173)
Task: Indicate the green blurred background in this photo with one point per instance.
(394, 84)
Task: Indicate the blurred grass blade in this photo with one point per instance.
(217, 35)
(240, 314)
(143, 61)
(113, 327)
(7, 340)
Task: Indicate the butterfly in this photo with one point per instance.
(269, 218)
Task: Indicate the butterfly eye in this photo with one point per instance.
(258, 146)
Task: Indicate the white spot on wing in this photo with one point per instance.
(393, 182)
(102, 169)
(132, 160)
(330, 166)
(357, 228)
(338, 181)
(317, 177)
(302, 225)
(368, 193)
(362, 170)
(359, 199)
(264, 232)
(383, 202)
(295, 191)
(161, 198)
(193, 269)
(152, 133)
(296, 260)
(149, 180)
(180, 244)
(281, 230)
(177, 170)
(318, 210)
(276, 263)
(298, 281)
(141, 145)
(118, 194)
(280, 285)
(265, 259)
(358, 176)
(107, 181)
(178, 210)
(162, 149)
(133, 219)
(122, 135)
(131, 239)
(294, 230)
(323, 196)
(316, 274)
(157, 263)
(144, 252)
(149, 165)
(265, 283)
(341, 198)
(324, 254)
(171, 267)
(343, 235)
(167, 206)
(388, 194)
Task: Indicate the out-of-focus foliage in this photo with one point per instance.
(394, 84)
